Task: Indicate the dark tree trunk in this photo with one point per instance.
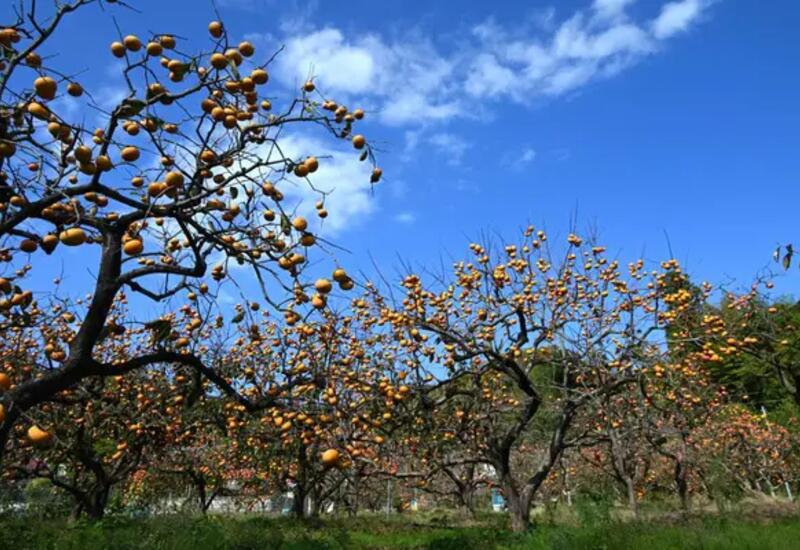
(299, 503)
(518, 502)
(96, 502)
(77, 510)
(80, 363)
(467, 490)
(682, 484)
(5, 430)
(204, 499)
(796, 394)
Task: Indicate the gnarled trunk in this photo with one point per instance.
(519, 507)
(518, 502)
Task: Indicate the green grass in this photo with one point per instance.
(428, 531)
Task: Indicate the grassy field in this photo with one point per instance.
(418, 531)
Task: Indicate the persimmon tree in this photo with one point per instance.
(176, 184)
(449, 450)
(616, 444)
(438, 451)
(682, 396)
(754, 454)
(680, 400)
(94, 445)
(197, 453)
(536, 337)
(336, 408)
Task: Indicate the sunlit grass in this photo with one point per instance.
(423, 531)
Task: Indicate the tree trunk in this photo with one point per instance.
(299, 502)
(519, 504)
(468, 499)
(682, 484)
(203, 497)
(5, 430)
(80, 363)
(466, 489)
(519, 507)
(315, 506)
(352, 508)
(76, 511)
(97, 501)
(630, 487)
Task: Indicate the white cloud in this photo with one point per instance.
(406, 82)
(584, 47)
(412, 81)
(611, 8)
(341, 174)
(342, 67)
(518, 159)
(341, 181)
(676, 17)
(488, 77)
(447, 145)
(416, 108)
(407, 79)
(108, 97)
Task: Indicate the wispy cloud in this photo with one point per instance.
(405, 217)
(450, 145)
(528, 155)
(413, 81)
(677, 17)
(611, 9)
(517, 160)
(407, 82)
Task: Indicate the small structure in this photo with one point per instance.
(498, 502)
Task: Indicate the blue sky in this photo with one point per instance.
(641, 118)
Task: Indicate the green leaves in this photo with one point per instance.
(286, 224)
(104, 447)
(160, 328)
(787, 259)
(131, 107)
